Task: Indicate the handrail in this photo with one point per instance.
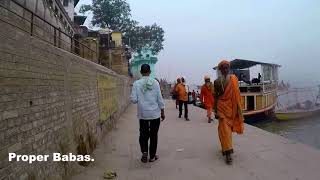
(33, 14)
(56, 34)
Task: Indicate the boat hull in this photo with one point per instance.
(263, 116)
(252, 117)
(285, 116)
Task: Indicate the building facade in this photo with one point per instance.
(144, 57)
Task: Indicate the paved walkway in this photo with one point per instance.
(258, 154)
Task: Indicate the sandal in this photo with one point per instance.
(144, 158)
(156, 157)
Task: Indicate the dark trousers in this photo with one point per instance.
(149, 129)
(185, 103)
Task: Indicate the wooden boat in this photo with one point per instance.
(298, 111)
(259, 94)
(291, 115)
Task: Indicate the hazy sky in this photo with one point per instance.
(199, 33)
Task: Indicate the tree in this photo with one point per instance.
(109, 13)
(151, 37)
(116, 15)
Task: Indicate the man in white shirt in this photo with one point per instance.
(146, 94)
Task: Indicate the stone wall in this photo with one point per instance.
(114, 59)
(87, 53)
(50, 10)
(51, 101)
(43, 18)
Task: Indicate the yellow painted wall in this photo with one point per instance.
(259, 102)
(243, 103)
(117, 37)
(108, 96)
(271, 99)
(90, 49)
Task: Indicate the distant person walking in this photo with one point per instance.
(227, 108)
(206, 97)
(175, 94)
(182, 91)
(147, 94)
(198, 94)
(194, 98)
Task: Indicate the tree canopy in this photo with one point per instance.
(116, 15)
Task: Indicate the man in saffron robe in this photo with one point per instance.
(227, 108)
(206, 97)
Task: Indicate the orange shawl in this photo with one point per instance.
(229, 106)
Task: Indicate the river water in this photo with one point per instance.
(305, 130)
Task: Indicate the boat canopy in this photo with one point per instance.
(243, 64)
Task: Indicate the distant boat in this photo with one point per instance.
(299, 110)
(297, 114)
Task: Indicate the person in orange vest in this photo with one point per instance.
(207, 97)
(182, 91)
(175, 94)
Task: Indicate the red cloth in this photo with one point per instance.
(194, 95)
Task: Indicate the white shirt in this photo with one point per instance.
(146, 94)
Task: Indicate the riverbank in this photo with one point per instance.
(191, 150)
(305, 131)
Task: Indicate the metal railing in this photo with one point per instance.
(38, 27)
(262, 87)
